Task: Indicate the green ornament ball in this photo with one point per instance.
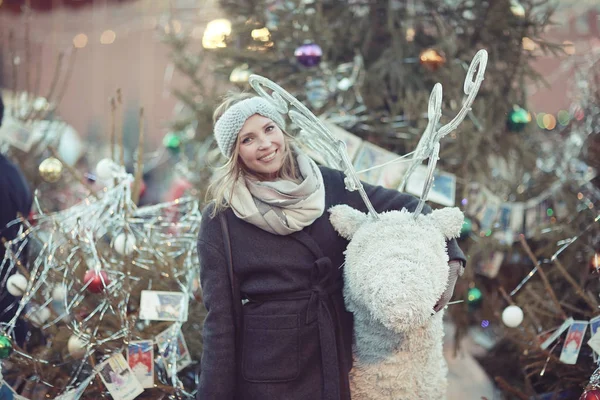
(6, 346)
(517, 119)
(172, 141)
(474, 297)
(467, 228)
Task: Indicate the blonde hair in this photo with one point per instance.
(234, 168)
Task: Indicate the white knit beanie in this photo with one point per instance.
(229, 125)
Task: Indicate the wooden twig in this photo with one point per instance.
(27, 59)
(542, 275)
(139, 167)
(542, 304)
(120, 131)
(576, 309)
(505, 386)
(578, 289)
(508, 299)
(56, 101)
(54, 82)
(113, 116)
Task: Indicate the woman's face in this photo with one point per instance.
(261, 146)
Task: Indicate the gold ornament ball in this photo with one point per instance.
(431, 59)
(240, 74)
(51, 169)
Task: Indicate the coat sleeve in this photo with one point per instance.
(218, 369)
(386, 200)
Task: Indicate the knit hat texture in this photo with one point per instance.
(229, 125)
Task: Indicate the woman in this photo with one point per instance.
(296, 336)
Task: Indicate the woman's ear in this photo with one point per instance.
(346, 220)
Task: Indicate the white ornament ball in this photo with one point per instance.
(76, 346)
(344, 84)
(40, 316)
(124, 243)
(59, 293)
(106, 169)
(512, 316)
(16, 285)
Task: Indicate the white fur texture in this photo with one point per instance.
(396, 269)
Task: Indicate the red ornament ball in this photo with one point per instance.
(98, 280)
(592, 394)
(309, 54)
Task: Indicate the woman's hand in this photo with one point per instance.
(456, 269)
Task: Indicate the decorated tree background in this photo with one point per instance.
(367, 69)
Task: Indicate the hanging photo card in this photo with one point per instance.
(502, 230)
(565, 325)
(163, 306)
(516, 218)
(368, 156)
(561, 209)
(504, 213)
(140, 356)
(595, 343)
(573, 342)
(490, 267)
(475, 199)
(169, 341)
(531, 218)
(443, 191)
(392, 174)
(119, 378)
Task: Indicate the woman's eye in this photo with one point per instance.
(270, 128)
(246, 140)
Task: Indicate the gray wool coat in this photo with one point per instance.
(296, 334)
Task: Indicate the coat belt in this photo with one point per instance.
(323, 285)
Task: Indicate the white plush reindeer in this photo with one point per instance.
(396, 270)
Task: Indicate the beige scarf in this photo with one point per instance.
(281, 207)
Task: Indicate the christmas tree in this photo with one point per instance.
(98, 288)
(97, 282)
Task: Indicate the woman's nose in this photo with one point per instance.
(265, 142)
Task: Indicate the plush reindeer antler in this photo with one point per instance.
(429, 145)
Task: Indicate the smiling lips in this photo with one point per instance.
(269, 157)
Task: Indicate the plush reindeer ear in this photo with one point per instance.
(346, 220)
(449, 220)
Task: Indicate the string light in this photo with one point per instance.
(528, 44)
(216, 33)
(549, 121)
(108, 37)
(261, 34)
(80, 40)
(564, 117)
(569, 47)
